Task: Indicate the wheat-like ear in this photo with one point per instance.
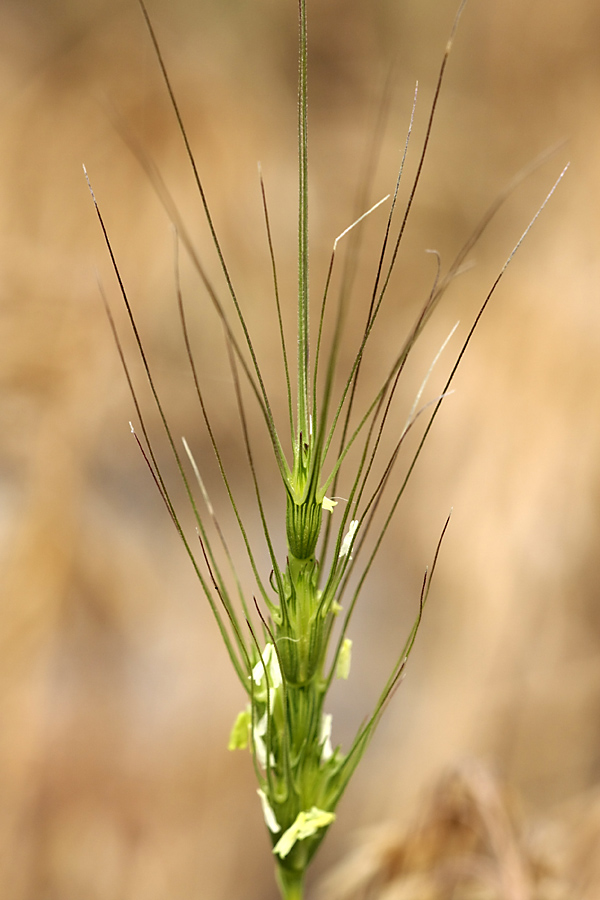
(292, 640)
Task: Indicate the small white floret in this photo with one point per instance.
(260, 747)
(238, 739)
(270, 819)
(344, 659)
(325, 737)
(348, 538)
(269, 662)
(307, 823)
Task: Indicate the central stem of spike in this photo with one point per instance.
(291, 884)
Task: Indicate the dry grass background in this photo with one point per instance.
(115, 695)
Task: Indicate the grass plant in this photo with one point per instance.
(290, 636)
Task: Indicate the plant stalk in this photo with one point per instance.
(291, 883)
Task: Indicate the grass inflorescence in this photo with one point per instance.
(291, 639)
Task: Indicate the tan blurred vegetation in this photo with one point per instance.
(116, 696)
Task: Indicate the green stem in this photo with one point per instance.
(291, 883)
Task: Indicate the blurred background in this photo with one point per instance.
(116, 696)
